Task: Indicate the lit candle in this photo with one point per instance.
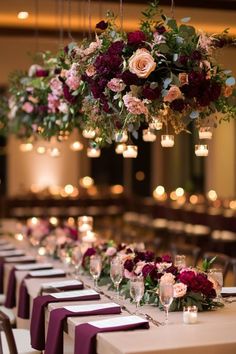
(201, 150)
(156, 123)
(89, 237)
(88, 133)
(205, 133)
(167, 140)
(131, 151)
(76, 146)
(148, 135)
(93, 152)
(54, 152)
(121, 137)
(190, 314)
(85, 223)
(120, 148)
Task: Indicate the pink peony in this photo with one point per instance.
(56, 87)
(174, 93)
(142, 63)
(73, 82)
(53, 103)
(180, 290)
(111, 251)
(90, 71)
(167, 278)
(28, 107)
(116, 85)
(134, 105)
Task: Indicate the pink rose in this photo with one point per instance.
(174, 93)
(111, 251)
(116, 85)
(180, 290)
(63, 107)
(53, 103)
(56, 87)
(134, 105)
(90, 71)
(28, 107)
(183, 78)
(73, 82)
(139, 267)
(167, 278)
(142, 63)
(128, 275)
(227, 91)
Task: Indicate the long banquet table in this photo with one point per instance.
(215, 331)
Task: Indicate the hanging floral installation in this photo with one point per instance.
(163, 76)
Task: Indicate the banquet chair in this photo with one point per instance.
(222, 260)
(14, 341)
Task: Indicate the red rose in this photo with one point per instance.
(136, 38)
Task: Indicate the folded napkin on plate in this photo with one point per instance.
(66, 285)
(3, 255)
(39, 304)
(20, 259)
(85, 334)
(228, 291)
(11, 287)
(24, 303)
(7, 247)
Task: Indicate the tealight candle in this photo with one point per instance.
(201, 150)
(85, 223)
(93, 152)
(89, 237)
(167, 140)
(120, 148)
(131, 151)
(156, 123)
(190, 314)
(205, 133)
(148, 135)
(121, 137)
(88, 133)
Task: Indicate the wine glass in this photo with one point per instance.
(76, 259)
(116, 273)
(137, 291)
(166, 293)
(65, 257)
(217, 275)
(95, 268)
(180, 261)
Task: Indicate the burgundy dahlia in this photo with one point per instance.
(102, 25)
(160, 29)
(68, 96)
(129, 78)
(147, 269)
(177, 105)
(166, 258)
(41, 73)
(196, 55)
(151, 94)
(129, 265)
(116, 47)
(136, 38)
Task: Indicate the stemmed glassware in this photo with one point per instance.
(116, 273)
(76, 259)
(95, 268)
(217, 275)
(137, 291)
(166, 293)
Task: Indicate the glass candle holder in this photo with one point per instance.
(180, 261)
(205, 133)
(156, 123)
(190, 314)
(121, 137)
(120, 148)
(167, 140)
(131, 151)
(85, 223)
(88, 133)
(148, 135)
(93, 152)
(76, 146)
(201, 150)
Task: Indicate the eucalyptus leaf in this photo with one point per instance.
(230, 81)
(185, 19)
(194, 114)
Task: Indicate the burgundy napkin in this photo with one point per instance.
(37, 330)
(11, 287)
(24, 300)
(2, 261)
(54, 343)
(63, 288)
(85, 335)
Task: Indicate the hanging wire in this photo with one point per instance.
(121, 15)
(172, 8)
(89, 19)
(69, 20)
(36, 31)
(61, 29)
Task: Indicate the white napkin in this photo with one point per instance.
(91, 307)
(117, 321)
(31, 266)
(11, 253)
(49, 272)
(6, 247)
(19, 259)
(61, 284)
(73, 293)
(229, 290)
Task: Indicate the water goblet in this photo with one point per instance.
(217, 275)
(116, 273)
(76, 259)
(180, 261)
(137, 291)
(166, 293)
(95, 268)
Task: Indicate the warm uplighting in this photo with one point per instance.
(148, 135)
(88, 133)
(35, 188)
(19, 237)
(53, 220)
(54, 190)
(22, 15)
(92, 191)
(181, 200)
(193, 199)
(167, 140)
(212, 195)
(69, 189)
(179, 192)
(120, 148)
(54, 152)
(201, 150)
(173, 195)
(131, 151)
(232, 204)
(121, 137)
(159, 193)
(41, 150)
(33, 221)
(86, 182)
(93, 152)
(140, 176)
(71, 221)
(26, 147)
(117, 189)
(76, 146)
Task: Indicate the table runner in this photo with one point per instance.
(11, 287)
(37, 330)
(85, 334)
(24, 300)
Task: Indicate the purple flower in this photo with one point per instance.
(147, 269)
(102, 25)
(68, 96)
(196, 55)
(177, 105)
(41, 73)
(166, 258)
(116, 48)
(183, 59)
(129, 78)
(151, 94)
(215, 91)
(172, 269)
(160, 29)
(136, 38)
(129, 265)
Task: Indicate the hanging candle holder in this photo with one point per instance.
(205, 133)
(156, 123)
(88, 133)
(148, 135)
(120, 148)
(76, 146)
(121, 137)
(167, 140)
(54, 152)
(131, 151)
(201, 150)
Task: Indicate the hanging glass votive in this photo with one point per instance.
(167, 140)
(205, 133)
(201, 150)
(120, 148)
(26, 147)
(156, 123)
(41, 150)
(121, 137)
(88, 133)
(131, 151)
(76, 146)
(54, 152)
(93, 152)
(148, 135)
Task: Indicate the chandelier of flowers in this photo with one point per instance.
(162, 76)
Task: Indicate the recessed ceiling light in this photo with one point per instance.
(23, 15)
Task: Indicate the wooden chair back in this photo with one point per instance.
(5, 326)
